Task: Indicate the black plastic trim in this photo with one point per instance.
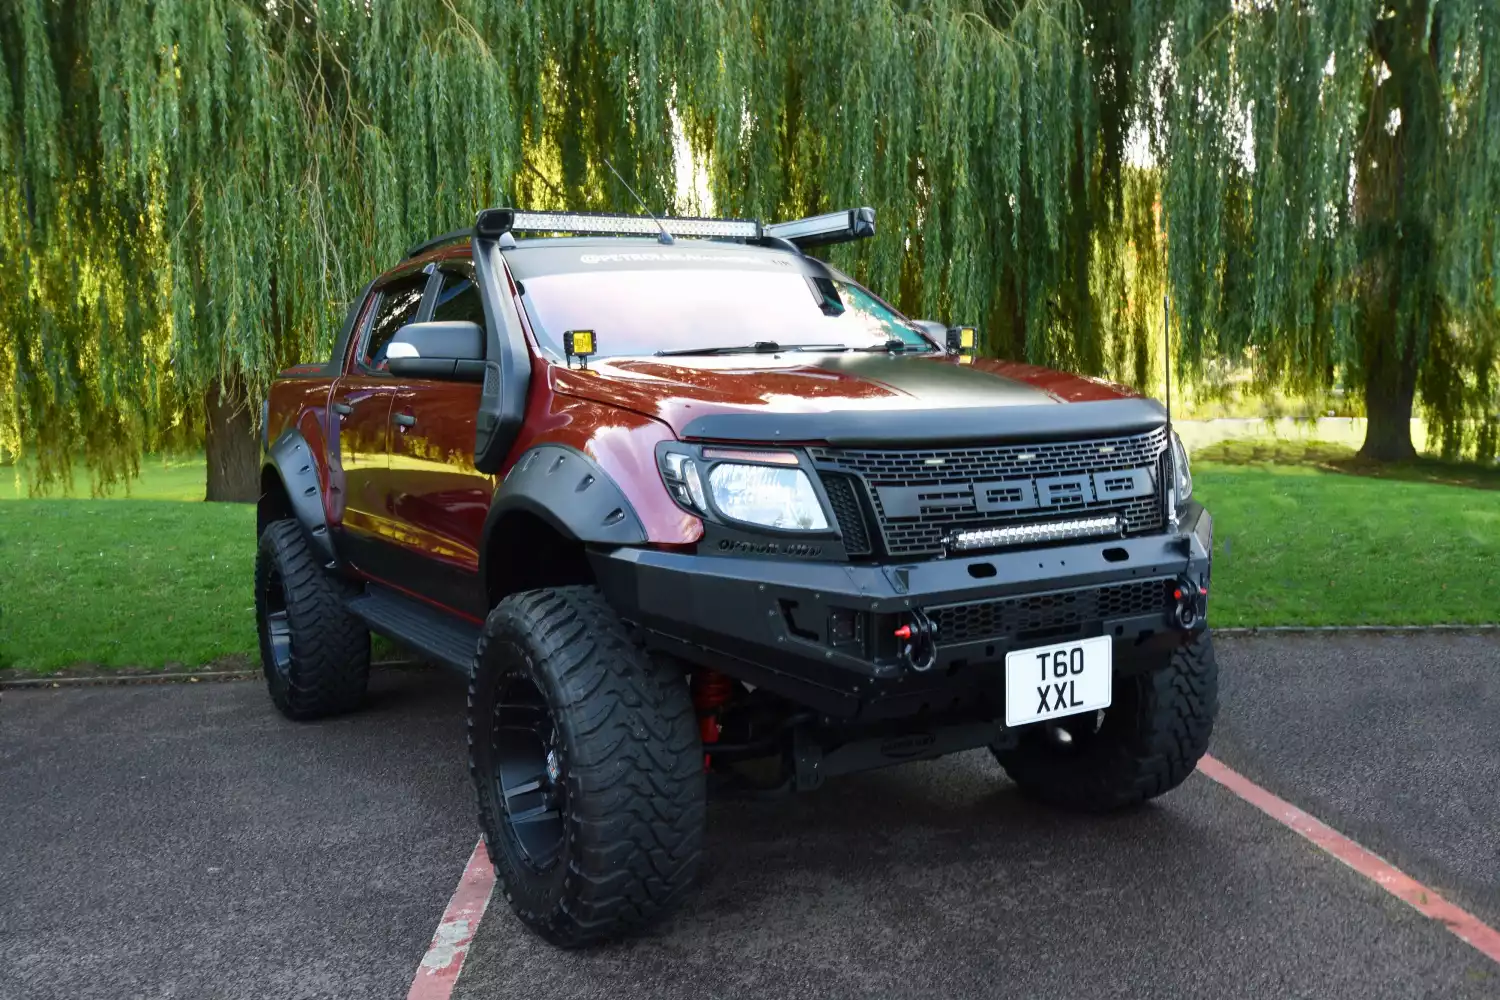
(892, 428)
(446, 638)
(568, 490)
(507, 374)
(296, 464)
(732, 614)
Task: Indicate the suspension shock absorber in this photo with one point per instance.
(711, 690)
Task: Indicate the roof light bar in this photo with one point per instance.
(494, 221)
(1024, 534)
(822, 230)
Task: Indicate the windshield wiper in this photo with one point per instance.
(894, 346)
(759, 347)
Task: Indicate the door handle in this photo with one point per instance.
(342, 409)
(404, 419)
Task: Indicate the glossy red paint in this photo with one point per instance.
(676, 390)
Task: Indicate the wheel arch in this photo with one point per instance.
(289, 488)
(554, 505)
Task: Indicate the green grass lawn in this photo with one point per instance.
(1299, 546)
(124, 583)
(150, 583)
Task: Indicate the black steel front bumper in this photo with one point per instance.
(824, 634)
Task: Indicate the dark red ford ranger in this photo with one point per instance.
(690, 507)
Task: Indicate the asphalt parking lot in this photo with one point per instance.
(185, 841)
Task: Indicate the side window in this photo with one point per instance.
(458, 299)
(399, 302)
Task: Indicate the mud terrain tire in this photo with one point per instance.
(588, 768)
(315, 654)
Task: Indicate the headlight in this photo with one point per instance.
(763, 494)
(1182, 474)
(773, 492)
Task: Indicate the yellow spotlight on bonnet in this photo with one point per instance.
(962, 339)
(578, 343)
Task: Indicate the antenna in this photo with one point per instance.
(665, 237)
(1166, 357)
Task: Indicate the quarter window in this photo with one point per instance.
(399, 302)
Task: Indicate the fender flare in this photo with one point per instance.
(297, 467)
(569, 491)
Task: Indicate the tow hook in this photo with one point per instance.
(918, 641)
(1189, 603)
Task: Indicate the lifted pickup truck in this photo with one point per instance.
(698, 508)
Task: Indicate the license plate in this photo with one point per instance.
(1049, 682)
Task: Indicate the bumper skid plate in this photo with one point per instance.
(845, 638)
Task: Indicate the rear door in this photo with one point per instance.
(359, 433)
(438, 498)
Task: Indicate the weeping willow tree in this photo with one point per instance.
(192, 190)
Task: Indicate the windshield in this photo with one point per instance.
(686, 310)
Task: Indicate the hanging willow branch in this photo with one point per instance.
(192, 190)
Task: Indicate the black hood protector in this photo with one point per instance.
(936, 426)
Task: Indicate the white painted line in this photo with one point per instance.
(444, 960)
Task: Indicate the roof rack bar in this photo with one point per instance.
(494, 221)
(438, 241)
(842, 226)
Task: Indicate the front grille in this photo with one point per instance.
(846, 510)
(921, 496)
(1017, 616)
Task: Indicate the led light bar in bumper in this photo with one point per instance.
(494, 221)
(1030, 534)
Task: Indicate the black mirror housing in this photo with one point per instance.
(451, 350)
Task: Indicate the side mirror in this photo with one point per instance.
(451, 350)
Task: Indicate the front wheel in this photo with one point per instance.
(587, 763)
(1146, 743)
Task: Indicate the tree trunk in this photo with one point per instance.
(1390, 389)
(1397, 167)
(231, 444)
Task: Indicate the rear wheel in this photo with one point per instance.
(314, 653)
(1146, 743)
(587, 763)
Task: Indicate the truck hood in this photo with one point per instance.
(682, 390)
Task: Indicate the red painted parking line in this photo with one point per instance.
(450, 945)
(1462, 923)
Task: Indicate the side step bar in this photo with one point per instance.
(435, 634)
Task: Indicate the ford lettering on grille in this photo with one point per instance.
(921, 497)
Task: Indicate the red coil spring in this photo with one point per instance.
(711, 690)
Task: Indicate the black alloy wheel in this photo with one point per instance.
(528, 767)
(275, 626)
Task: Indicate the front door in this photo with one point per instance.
(438, 498)
(359, 437)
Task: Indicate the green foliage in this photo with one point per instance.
(192, 189)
